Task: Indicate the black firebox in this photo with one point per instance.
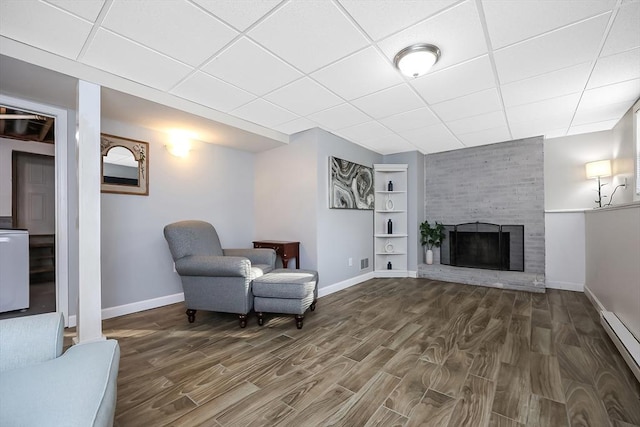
(484, 245)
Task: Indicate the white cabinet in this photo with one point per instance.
(390, 207)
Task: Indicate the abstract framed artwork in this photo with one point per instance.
(350, 185)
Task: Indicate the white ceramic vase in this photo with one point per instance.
(429, 256)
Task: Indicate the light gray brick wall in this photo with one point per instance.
(499, 183)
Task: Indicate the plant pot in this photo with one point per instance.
(429, 256)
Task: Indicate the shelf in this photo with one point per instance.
(396, 199)
(390, 192)
(391, 253)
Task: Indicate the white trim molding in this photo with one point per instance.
(328, 290)
(135, 307)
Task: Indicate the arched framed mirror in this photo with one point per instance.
(124, 165)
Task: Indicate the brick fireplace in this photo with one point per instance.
(500, 184)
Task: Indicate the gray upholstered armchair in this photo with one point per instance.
(213, 278)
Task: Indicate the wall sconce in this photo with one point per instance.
(179, 144)
(601, 169)
(598, 170)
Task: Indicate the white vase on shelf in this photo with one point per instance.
(429, 256)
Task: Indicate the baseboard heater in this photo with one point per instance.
(625, 342)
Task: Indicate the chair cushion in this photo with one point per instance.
(192, 237)
(286, 283)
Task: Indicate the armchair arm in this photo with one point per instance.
(213, 266)
(255, 255)
(29, 340)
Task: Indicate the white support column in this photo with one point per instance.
(89, 320)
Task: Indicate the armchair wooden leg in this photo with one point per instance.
(312, 307)
(260, 318)
(243, 320)
(191, 315)
(299, 319)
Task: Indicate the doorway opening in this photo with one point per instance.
(33, 156)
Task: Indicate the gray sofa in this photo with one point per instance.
(41, 386)
(213, 278)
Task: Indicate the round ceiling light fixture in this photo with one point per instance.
(417, 59)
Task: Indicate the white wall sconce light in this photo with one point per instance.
(601, 169)
(179, 144)
(417, 59)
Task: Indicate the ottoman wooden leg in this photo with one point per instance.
(312, 307)
(243, 320)
(299, 319)
(191, 315)
(260, 318)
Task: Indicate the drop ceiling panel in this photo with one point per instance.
(304, 96)
(596, 114)
(296, 125)
(477, 123)
(122, 57)
(87, 9)
(263, 113)
(487, 136)
(410, 120)
(176, 28)
(555, 129)
(511, 21)
(237, 65)
(211, 92)
(239, 14)
(592, 127)
(444, 31)
(485, 101)
(365, 131)
(321, 34)
(551, 110)
(628, 91)
(339, 117)
(389, 144)
(395, 100)
(625, 33)
(390, 16)
(432, 139)
(556, 83)
(616, 68)
(472, 76)
(46, 27)
(553, 51)
(347, 79)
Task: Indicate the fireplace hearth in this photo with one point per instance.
(484, 245)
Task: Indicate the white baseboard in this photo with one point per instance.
(594, 300)
(413, 274)
(328, 290)
(121, 310)
(625, 342)
(564, 286)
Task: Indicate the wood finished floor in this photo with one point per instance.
(387, 352)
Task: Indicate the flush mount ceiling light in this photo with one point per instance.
(417, 59)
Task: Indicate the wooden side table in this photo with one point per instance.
(286, 250)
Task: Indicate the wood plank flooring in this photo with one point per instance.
(387, 352)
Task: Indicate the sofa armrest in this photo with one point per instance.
(77, 389)
(28, 340)
(265, 256)
(213, 266)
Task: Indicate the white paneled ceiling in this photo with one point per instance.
(509, 68)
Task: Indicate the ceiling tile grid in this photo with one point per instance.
(508, 69)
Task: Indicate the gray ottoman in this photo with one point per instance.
(285, 291)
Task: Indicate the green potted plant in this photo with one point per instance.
(431, 237)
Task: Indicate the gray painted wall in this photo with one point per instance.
(292, 190)
(213, 184)
(342, 233)
(499, 183)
